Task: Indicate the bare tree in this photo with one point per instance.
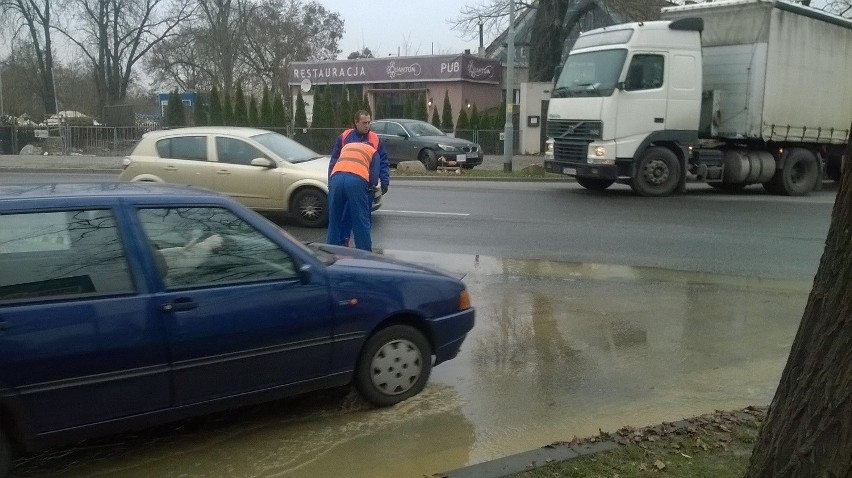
(230, 42)
(209, 49)
(493, 14)
(283, 31)
(21, 93)
(34, 16)
(808, 431)
(840, 7)
(114, 35)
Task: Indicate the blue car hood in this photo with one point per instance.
(355, 258)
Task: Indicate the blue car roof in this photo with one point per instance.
(102, 189)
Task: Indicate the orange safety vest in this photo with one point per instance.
(355, 157)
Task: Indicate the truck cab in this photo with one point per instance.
(625, 93)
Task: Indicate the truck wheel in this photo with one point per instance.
(5, 454)
(310, 207)
(394, 365)
(658, 173)
(595, 184)
(429, 159)
(798, 177)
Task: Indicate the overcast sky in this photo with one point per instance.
(387, 26)
(384, 26)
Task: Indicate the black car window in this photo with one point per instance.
(420, 128)
(184, 147)
(210, 246)
(379, 127)
(60, 254)
(395, 129)
(235, 151)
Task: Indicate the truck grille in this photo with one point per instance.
(572, 138)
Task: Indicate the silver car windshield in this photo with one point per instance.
(286, 148)
(423, 129)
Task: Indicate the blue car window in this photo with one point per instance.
(61, 254)
(210, 246)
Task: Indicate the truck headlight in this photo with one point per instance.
(548, 148)
(601, 153)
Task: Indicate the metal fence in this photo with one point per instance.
(118, 141)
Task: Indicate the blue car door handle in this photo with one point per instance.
(183, 303)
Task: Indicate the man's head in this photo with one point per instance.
(362, 121)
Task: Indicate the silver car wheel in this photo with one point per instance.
(396, 366)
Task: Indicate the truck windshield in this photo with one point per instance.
(590, 74)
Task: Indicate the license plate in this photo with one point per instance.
(461, 158)
(572, 171)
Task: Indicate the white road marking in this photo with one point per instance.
(430, 213)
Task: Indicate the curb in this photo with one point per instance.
(528, 460)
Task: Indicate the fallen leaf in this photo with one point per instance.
(685, 455)
(643, 467)
(659, 464)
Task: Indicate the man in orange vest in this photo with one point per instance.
(358, 161)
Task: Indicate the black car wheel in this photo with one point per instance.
(394, 365)
(310, 207)
(429, 159)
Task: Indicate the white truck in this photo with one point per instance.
(730, 93)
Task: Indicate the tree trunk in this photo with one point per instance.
(547, 37)
(808, 431)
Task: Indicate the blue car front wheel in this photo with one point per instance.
(394, 365)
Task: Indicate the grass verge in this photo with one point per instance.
(714, 445)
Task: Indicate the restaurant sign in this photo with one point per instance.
(398, 70)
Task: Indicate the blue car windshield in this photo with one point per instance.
(286, 148)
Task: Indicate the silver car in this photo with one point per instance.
(263, 170)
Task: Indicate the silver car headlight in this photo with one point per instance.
(447, 147)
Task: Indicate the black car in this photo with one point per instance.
(413, 140)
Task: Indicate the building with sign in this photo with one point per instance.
(388, 83)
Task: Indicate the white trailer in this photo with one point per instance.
(731, 92)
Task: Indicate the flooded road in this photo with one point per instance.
(559, 350)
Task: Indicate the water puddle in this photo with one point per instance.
(559, 350)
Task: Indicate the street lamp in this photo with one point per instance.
(2, 110)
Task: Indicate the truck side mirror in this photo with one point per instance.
(556, 71)
(620, 85)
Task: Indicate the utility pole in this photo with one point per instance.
(508, 134)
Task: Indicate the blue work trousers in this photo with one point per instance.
(350, 203)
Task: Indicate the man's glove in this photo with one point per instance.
(384, 189)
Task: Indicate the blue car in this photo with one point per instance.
(123, 305)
